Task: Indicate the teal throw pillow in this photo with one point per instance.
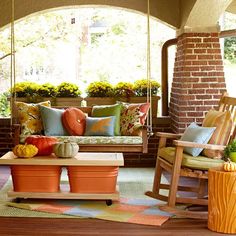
(109, 110)
(100, 126)
(197, 134)
(52, 122)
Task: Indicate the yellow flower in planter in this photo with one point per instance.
(100, 89)
(141, 87)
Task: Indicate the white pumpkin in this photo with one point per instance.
(65, 149)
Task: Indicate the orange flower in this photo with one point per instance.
(33, 110)
(23, 118)
(34, 125)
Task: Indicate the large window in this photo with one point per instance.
(83, 45)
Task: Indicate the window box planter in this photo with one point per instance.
(91, 101)
(58, 101)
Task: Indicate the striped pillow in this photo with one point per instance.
(223, 123)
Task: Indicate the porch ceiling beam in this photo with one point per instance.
(204, 15)
(232, 7)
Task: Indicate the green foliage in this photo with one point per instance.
(230, 49)
(118, 29)
(4, 105)
(100, 89)
(47, 90)
(231, 147)
(66, 89)
(33, 90)
(25, 89)
(124, 89)
(141, 87)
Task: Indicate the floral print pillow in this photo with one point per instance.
(130, 120)
(30, 118)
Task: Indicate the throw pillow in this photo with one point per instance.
(133, 116)
(101, 126)
(29, 117)
(52, 122)
(223, 123)
(197, 134)
(130, 120)
(109, 110)
(74, 120)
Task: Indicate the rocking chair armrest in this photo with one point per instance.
(180, 143)
(168, 135)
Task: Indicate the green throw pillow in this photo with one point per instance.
(109, 110)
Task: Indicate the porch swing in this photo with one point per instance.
(129, 146)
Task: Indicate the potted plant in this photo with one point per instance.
(28, 91)
(65, 94)
(230, 151)
(124, 90)
(141, 88)
(68, 94)
(100, 93)
(47, 90)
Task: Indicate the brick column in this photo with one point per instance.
(198, 80)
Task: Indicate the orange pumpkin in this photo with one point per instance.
(43, 143)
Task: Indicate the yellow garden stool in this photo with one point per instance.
(222, 201)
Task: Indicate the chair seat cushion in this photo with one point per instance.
(199, 162)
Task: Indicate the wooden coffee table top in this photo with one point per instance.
(81, 159)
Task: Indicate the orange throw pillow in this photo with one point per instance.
(74, 120)
(223, 123)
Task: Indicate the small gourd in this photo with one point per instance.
(65, 149)
(25, 150)
(229, 166)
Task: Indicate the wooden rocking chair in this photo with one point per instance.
(179, 164)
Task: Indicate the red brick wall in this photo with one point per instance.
(198, 79)
(6, 140)
(160, 124)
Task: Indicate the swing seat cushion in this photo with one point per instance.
(136, 140)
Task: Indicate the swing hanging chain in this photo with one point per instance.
(149, 89)
(13, 68)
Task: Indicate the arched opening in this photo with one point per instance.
(82, 45)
